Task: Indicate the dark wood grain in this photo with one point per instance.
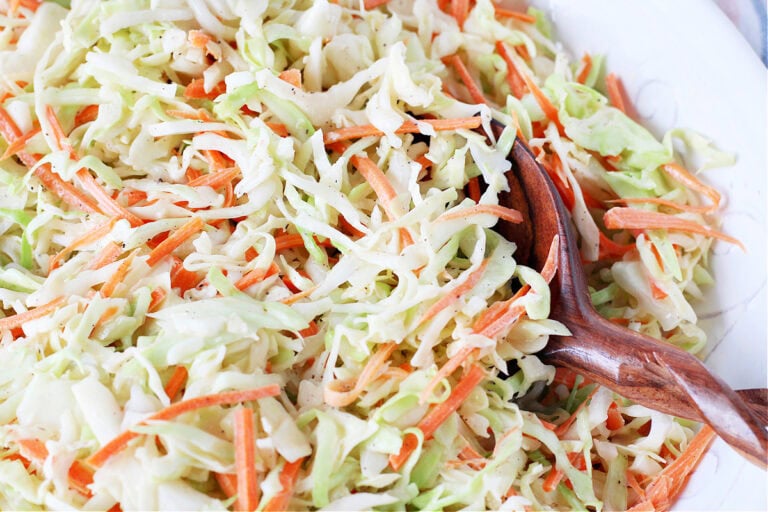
(645, 370)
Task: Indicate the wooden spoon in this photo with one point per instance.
(642, 369)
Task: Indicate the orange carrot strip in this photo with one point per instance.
(106, 203)
(473, 187)
(496, 311)
(661, 493)
(501, 212)
(182, 278)
(522, 51)
(311, 330)
(176, 382)
(552, 261)
(460, 11)
(681, 175)
(610, 249)
(157, 297)
(215, 179)
(438, 414)
(288, 476)
(196, 90)
(227, 482)
(563, 427)
(245, 461)
(455, 293)
(19, 144)
(80, 476)
(661, 202)
(630, 218)
(615, 420)
(256, 275)
(88, 238)
(298, 296)
(379, 183)
(292, 76)
(514, 78)
(615, 91)
(86, 115)
(99, 457)
(368, 130)
(18, 320)
(586, 68)
(108, 254)
(108, 288)
(506, 13)
(466, 78)
(342, 393)
(549, 109)
(293, 241)
(177, 238)
(198, 38)
(446, 370)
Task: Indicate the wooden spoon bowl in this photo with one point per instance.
(642, 369)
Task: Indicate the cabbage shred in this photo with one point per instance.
(154, 95)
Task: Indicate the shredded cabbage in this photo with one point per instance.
(314, 256)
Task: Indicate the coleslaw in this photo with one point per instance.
(247, 260)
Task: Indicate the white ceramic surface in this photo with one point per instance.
(684, 64)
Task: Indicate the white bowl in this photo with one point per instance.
(684, 64)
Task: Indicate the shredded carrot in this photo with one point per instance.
(288, 476)
(342, 393)
(294, 241)
(438, 414)
(497, 310)
(98, 458)
(563, 427)
(555, 474)
(616, 94)
(87, 115)
(460, 11)
(105, 317)
(473, 187)
(379, 183)
(474, 90)
(176, 382)
(18, 320)
(109, 287)
(348, 228)
(106, 203)
(198, 38)
(196, 90)
(178, 237)
(514, 78)
(311, 330)
(455, 293)
(546, 106)
(227, 482)
(157, 297)
(368, 130)
(19, 144)
(656, 291)
(615, 420)
(292, 76)
(107, 255)
(215, 179)
(661, 202)
(298, 296)
(506, 13)
(630, 218)
(88, 238)
(256, 275)
(586, 68)
(661, 493)
(182, 278)
(635, 485)
(681, 175)
(522, 51)
(609, 249)
(501, 212)
(245, 460)
(80, 476)
(446, 370)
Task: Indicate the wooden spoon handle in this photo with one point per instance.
(661, 377)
